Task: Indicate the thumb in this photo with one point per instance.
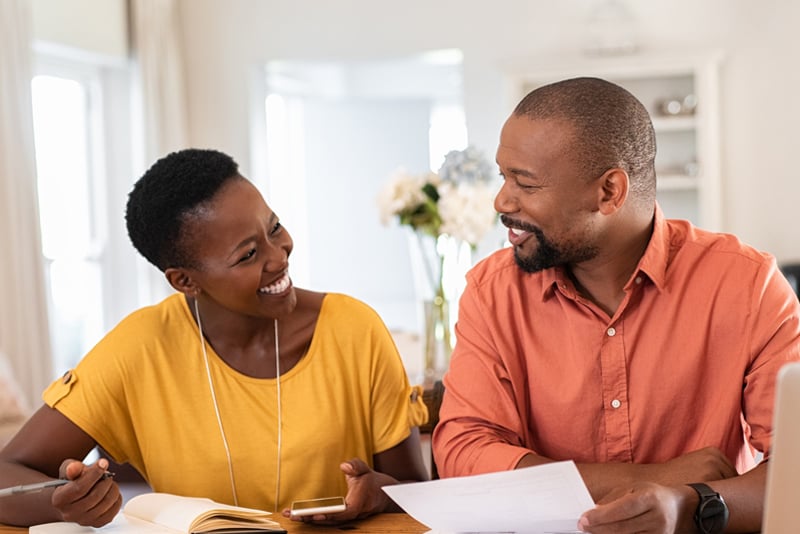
(70, 469)
(354, 467)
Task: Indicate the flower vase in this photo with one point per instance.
(438, 341)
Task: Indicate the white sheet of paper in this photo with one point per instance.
(543, 499)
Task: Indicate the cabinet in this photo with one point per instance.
(682, 96)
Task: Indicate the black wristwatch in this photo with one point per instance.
(711, 516)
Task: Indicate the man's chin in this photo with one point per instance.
(529, 264)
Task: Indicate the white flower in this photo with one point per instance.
(402, 192)
(467, 210)
(457, 201)
(468, 165)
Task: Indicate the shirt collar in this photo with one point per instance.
(654, 260)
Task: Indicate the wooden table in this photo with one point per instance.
(378, 524)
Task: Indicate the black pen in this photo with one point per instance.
(39, 486)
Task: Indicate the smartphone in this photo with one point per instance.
(325, 505)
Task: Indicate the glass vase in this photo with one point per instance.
(438, 341)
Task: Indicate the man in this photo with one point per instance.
(644, 349)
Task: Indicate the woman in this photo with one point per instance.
(239, 387)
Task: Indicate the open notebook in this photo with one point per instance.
(163, 512)
(783, 469)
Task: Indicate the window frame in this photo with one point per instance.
(110, 150)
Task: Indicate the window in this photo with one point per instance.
(73, 135)
(71, 241)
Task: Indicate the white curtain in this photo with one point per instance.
(24, 331)
(156, 27)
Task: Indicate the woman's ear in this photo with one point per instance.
(182, 281)
(614, 186)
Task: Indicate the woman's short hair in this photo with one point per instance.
(172, 189)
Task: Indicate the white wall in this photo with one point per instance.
(94, 27)
(374, 266)
(760, 106)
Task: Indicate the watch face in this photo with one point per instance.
(713, 515)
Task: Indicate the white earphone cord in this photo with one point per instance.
(219, 418)
(216, 406)
(280, 411)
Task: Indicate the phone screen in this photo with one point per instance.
(325, 505)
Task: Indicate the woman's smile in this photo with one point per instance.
(281, 285)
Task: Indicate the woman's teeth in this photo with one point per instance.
(277, 287)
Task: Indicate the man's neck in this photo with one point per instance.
(602, 279)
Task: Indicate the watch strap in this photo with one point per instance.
(706, 525)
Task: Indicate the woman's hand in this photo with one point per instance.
(364, 495)
(90, 499)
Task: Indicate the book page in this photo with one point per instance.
(171, 514)
(194, 514)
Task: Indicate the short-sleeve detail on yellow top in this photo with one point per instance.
(142, 393)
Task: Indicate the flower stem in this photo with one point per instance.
(438, 288)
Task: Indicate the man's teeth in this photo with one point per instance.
(277, 287)
(517, 231)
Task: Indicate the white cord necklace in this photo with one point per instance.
(280, 411)
(219, 418)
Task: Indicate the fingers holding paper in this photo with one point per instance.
(644, 507)
(91, 498)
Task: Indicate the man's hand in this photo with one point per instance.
(643, 508)
(90, 499)
(703, 465)
(364, 494)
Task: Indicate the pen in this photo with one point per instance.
(39, 486)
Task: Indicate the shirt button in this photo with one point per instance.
(638, 279)
(611, 332)
(616, 403)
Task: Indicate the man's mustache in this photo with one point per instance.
(513, 223)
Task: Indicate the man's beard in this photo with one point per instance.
(549, 254)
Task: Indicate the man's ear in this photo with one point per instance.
(613, 190)
(182, 281)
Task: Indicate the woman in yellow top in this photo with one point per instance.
(239, 387)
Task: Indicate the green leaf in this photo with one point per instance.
(431, 192)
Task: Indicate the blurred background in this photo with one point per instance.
(320, 101)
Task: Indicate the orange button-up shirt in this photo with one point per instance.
(688, 360)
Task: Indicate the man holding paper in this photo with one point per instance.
(642, 348)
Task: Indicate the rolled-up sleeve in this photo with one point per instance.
(774, 334)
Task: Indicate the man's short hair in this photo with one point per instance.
(611, 128)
